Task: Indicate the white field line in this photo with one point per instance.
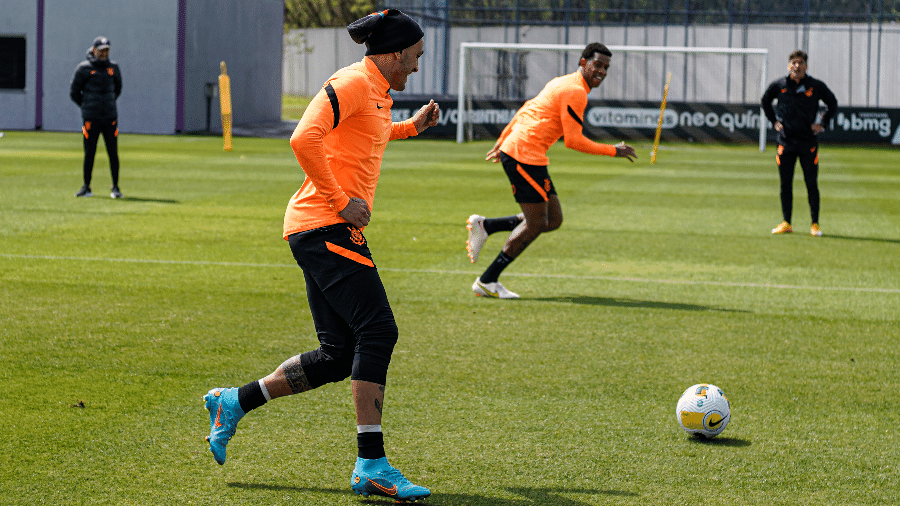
(621, 279)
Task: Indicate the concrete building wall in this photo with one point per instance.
(17, 107)
(247, 37)
(167, 51)
(143, 44)
(311, 55)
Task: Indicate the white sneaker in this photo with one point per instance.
(495, 290)
(477, 236)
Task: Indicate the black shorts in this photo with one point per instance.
(531, 184)
(350, 309)
(331, 253)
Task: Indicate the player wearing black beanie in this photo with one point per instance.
(385, 32)
(339, 143)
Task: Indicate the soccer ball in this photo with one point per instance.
(703, 410)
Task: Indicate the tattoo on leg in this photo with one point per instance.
(294, 375)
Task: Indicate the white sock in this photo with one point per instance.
(368, 428)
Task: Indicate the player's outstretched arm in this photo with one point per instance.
(573, 129)
(625, 151)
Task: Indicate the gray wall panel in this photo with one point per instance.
(247, 37)
(142, 43)
(17, 107)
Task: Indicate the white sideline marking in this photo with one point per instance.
(468, 273)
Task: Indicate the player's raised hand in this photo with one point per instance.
(357, 212)
(625, 151)
(427, 116)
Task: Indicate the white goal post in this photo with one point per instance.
(465, 48)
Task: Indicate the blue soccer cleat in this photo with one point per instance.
(224, 414)
(378, 477)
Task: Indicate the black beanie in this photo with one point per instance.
(385, 32)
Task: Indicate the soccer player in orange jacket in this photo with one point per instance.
(522, 149)
(339, 143)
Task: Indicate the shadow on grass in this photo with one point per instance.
(144, 199)
(720, 441)
(551, 496)
(620, 302)
(530, 496)
(282, 488)
(872, 239)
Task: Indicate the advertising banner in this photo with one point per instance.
(607, 121)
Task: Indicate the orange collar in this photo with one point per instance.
(376, 74)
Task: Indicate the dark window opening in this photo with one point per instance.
(12, 63)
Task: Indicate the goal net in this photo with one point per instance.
(496, 78)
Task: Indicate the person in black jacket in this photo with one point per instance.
(797, 125)
(96, 85)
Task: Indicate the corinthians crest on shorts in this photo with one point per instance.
(356, 236)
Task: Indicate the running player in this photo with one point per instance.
(339, 143)
(522, 149)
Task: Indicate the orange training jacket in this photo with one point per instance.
(339, 143)
(555, 112)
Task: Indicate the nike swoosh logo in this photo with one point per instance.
(716, 424)
(218, 414)
(492, 294)
(388, 491)
(379, 106)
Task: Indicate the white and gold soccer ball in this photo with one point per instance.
(703, 410)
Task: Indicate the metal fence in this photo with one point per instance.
(852, 45)
(574, 13)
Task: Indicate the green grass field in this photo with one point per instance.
(293, 106)
(662, 276)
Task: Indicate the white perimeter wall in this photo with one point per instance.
(849, 58)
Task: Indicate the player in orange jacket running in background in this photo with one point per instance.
(339, 143)
(522, 149)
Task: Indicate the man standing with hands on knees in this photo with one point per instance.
(795, 120)
(339, 144)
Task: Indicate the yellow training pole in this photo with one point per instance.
(225, 104)
(662, 110)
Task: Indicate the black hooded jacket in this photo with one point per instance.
(798, 106)
(95, 87)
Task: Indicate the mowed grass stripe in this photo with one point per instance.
(473, 273)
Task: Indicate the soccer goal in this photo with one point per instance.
(516, 72)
